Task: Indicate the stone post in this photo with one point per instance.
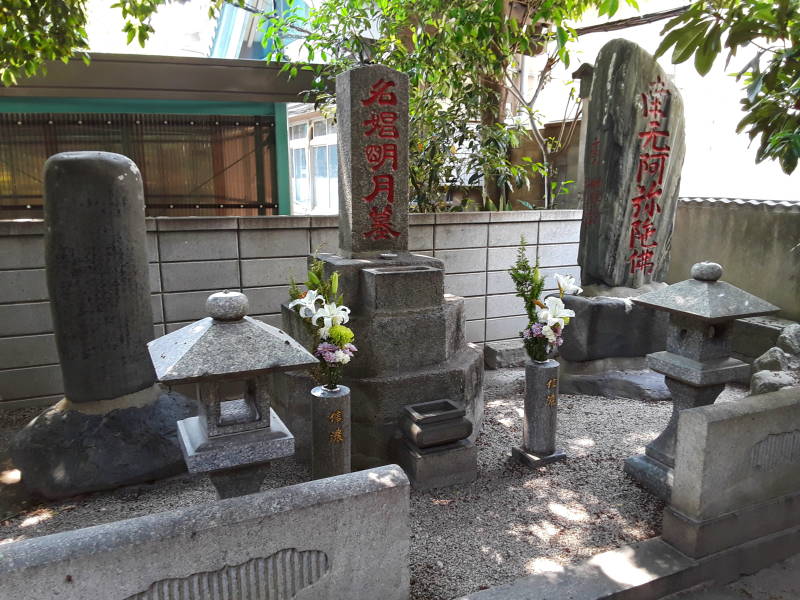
(331, 431)
(115, 426)
(541, 407)
(372, 124)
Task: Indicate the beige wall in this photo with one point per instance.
(753, 241)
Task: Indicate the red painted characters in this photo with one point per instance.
(381, 157)
(654, 153)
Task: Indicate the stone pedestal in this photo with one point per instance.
(331, 431)
(411, 349)
(115, 426)
(541, 409)
(434, 450)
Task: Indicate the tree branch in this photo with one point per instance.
(633, 21)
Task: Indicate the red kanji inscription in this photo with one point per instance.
(382, 184)
(378, 154)
(382, 124)
(654, 164)
(381, 224)
(641, 232)
(647, 200)
(642, 260)
(380, 93)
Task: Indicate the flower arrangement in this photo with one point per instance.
(546, 319)
(325, 316)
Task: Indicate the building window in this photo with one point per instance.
(314, 167)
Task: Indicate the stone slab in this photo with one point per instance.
(402, 288)
(642, 384)
(204, 454)
(736, 454)
(505, 354)
(606, 327)
(653, 475)
(440, 466)
(697, 538)
(697, 373)
(293, 533)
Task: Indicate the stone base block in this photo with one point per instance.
(698, 538)
(65, 451)
(654, 476)
(504, 355)
(752, 336)
(440, 466)
(536, 460)
(607, 327)
(231, 483)
(204, 454)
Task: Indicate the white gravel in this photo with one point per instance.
(510, 523)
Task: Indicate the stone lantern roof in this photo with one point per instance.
(706, 298)
(226, 344)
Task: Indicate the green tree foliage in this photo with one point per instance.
(771, 31)
(462, 58)
(33, 32)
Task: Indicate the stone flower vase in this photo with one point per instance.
(330, 437)
(541, 407)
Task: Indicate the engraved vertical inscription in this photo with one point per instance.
(279, 576)
(776, 450)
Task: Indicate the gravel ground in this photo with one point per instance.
(509, 523)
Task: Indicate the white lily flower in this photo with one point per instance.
(331, 315)
(554, 312)
(566, 284)
(308, 303)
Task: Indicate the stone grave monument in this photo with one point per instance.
(115, 425)
(409, 334)
(229, 356)
(633, 155)
(697, 362)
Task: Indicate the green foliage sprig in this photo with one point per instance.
(528, 280)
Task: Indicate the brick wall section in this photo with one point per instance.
(192, 257)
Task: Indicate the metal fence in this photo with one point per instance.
(192, 165)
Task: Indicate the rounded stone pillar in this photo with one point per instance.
(541, 408)
(97, 274)
(115, 426)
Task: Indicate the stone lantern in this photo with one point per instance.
(230, 356)
(697, 362)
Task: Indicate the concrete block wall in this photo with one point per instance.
(191, 257)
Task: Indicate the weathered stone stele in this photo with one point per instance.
(372, 122)
(115, 426)
(634, 153)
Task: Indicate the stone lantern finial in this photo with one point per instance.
(227, 306)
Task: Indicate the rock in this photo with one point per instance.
(764, 382)
(706, 271)
(64, 451)
(635, 145)
(505, 354)
(773, 359)
(789, 339)
(611, 327)
(643, 384)
(752, 336)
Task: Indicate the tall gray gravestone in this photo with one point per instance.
(391, 292)
(634, 152)
(372, 121)
(115, 425)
